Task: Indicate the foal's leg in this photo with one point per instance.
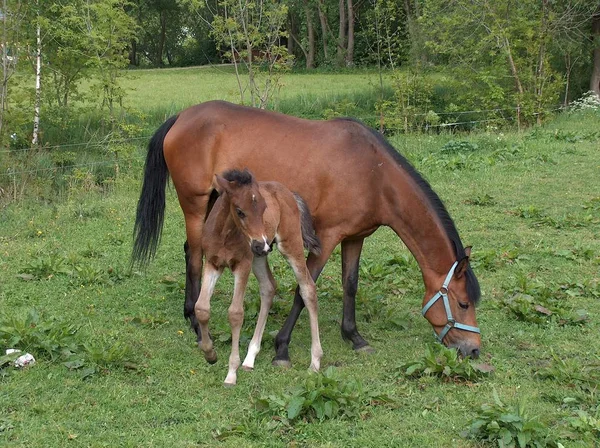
(351, 250)
(266, 284)
(315, 264)
(202, 311)
(236, 319)
(308, 292)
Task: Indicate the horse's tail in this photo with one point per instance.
(151, 205)
(309, 237)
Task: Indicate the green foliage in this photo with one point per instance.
(322, 396)
(570, 371)
(509, 427)
(543, 304)
(47, 338)
(586, 425)
(459, 146)
(46, 266)
(445, 363)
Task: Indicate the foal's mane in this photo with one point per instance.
(241, 177)
(473, 290)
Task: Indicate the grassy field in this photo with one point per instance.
(529, 204)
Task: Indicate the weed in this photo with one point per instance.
(46, 266)
(570, 371)
(482, 200)
(454, 146)
(586, 425)
(322, 396)
(44, 338)
(445, 363)
(509, 426)
(89, 275)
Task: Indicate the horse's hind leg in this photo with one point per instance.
(194, 212)
(351, 250)
(202, 311)
(236, 319)
(266, 284)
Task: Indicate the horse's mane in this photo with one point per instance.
(241, 177)
(473, 290)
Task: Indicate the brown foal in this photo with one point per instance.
(247, 219)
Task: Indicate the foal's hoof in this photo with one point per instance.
(247, 368)
(211, 357)
(285, 363)
(365, 349)
(228, 385)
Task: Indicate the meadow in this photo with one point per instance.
(118, 366)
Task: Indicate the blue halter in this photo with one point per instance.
(451, 323)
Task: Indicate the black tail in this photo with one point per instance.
(151, 206)
(309, 237)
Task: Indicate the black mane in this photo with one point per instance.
(241, 177)
(473, 290)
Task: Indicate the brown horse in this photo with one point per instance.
(247, 219)
(352, 180)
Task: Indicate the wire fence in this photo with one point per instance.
(108, 141)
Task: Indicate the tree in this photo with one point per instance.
(595, 78)
(249, 32)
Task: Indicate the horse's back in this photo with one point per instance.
(326, 162)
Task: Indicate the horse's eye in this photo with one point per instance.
(240, 213)
(464, 306)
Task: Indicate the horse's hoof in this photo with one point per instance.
(365, 349)
(228, 385)
(247, 368)
(211, 357)
(285, 363)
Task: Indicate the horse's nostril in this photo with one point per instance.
(475, 353)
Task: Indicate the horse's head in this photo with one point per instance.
(451, 309)
(247, 207)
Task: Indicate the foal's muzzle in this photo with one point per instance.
(260, 248)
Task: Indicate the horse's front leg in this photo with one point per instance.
(236, 319)
(266, 284)
(351, 250)
(202, 311)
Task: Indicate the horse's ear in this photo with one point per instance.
(463, 264)
(221, 184)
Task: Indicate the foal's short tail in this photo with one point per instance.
(151, 205)
(309, 237)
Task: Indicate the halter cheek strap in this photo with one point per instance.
(451, 323)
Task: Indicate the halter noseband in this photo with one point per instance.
(451, 323)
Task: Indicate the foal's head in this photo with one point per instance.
(247, 207)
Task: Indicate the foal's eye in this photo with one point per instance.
(240, 213)
(464, 306)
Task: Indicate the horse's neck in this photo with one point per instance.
(411, 215)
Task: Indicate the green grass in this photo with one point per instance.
(76, 252)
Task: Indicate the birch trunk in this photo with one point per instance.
(38, 84)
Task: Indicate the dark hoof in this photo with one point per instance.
(228, 385)
(211, 357)
(365, 349)
(247, 369)
(285, 363)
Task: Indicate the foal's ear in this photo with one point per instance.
(463, 264)
(221, 184)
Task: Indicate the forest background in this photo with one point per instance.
(69, 67)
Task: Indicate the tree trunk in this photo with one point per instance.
(341, 49)
(4, 90)
(133, 53)
(350, 47)
(38, 84)
(162, 38)
(310, 56)
(595, 79)
(513, 67)
(323, 21)
(292, 27)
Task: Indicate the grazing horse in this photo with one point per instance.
(353, 182)
(247, 219)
